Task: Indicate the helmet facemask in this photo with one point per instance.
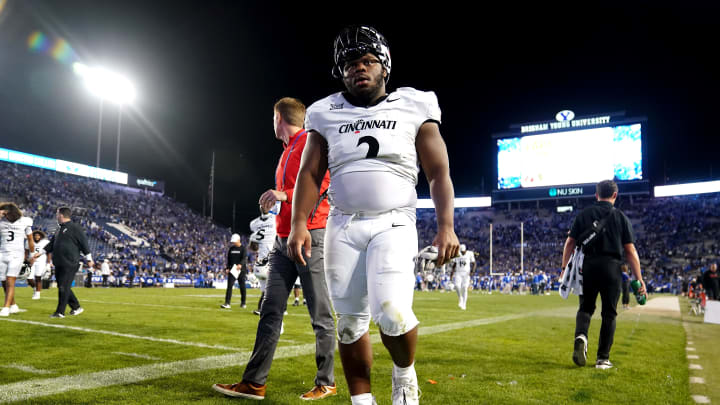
(356, 41)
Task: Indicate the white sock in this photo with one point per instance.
(406, 374)
(362, 399)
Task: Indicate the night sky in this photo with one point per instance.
(208, 73)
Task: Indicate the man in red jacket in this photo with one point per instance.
(289, 115)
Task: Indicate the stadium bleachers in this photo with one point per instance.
(176, 239)
(676, 237)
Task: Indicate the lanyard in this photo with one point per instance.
(282, 184)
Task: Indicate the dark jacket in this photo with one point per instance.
(617, 233)
(237, 255)
(711, 282)
(67, 245)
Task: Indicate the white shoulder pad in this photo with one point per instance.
(314, 114)
(426, 102)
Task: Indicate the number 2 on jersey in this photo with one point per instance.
(373, 146)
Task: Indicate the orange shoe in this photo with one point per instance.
(319, 392)
(242, 389)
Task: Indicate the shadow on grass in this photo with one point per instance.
(581, 396)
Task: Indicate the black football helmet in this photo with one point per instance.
(357, 40)
(25, 271)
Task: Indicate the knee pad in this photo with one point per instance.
(395, 321)
(350, 328)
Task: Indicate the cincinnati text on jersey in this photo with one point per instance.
(361, 125)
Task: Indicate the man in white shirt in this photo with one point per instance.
(372, 142)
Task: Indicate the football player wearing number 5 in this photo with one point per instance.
(373, 144)
(14, 230)
(38, 261)
(262, 240)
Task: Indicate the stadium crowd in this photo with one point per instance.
(140, 233)
(151, 238)
(676, 238)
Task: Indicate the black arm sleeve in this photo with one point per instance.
(627, 232)
(229, 265)
(244, 258)
(82, 241)
(576, 228)
(49, 247)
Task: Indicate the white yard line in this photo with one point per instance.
(141, 356)
(431, 330)
(27, 369)
(25, 390)
(125, 335)
(701, 399)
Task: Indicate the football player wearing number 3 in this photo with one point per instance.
(373, 143)
(14, 230)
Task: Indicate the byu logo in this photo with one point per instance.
(565, 115)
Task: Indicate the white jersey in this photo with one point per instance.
(462, 263)
(13, 235)
(372, 158)
(41, 261)
(263, 233)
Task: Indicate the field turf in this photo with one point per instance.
(168, 346)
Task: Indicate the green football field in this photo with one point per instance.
(168, 346)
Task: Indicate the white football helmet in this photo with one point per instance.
(428, 253)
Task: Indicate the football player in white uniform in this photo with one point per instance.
(262, 240)
(462, 267)
(39, 262)
(372, 143)
(14, 230)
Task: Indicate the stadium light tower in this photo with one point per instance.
(107, 86)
